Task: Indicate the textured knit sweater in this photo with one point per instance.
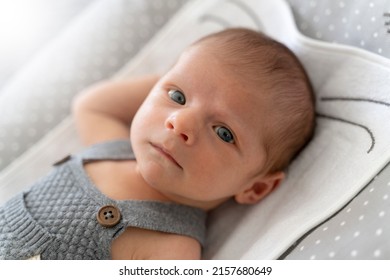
(63, 215)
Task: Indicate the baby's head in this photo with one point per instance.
(276, 76)
(224, 121)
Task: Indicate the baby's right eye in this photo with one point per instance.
(225, 134)
(177, 96)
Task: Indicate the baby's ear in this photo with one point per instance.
(263, 186)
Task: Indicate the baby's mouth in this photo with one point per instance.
(166, 154)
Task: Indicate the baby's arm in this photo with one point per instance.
(104, 111)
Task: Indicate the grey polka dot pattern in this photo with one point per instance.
(361, 23)
(93, 47)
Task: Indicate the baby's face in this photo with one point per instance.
(197, 137)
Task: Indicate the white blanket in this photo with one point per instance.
(349, 148)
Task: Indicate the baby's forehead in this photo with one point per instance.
(250, 108)
(240, 87)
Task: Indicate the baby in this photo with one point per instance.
(224, 122)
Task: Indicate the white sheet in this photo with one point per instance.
(349, 148)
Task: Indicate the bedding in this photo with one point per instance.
(326, 185)
(359, 230)
(360, 23)
(364, 24)
(94, 46)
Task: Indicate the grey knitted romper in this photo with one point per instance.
(64, 216)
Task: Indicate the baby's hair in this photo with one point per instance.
(272, 68)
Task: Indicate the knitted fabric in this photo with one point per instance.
(56, 217)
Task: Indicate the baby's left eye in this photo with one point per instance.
(177, 96)
(225, 134)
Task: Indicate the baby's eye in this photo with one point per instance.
(225, 134)
(177, 96)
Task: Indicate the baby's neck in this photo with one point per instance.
(120, 180)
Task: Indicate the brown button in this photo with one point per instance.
(65, 159)
(108, 216)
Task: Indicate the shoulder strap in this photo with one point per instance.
(165, 217)
(111, 150)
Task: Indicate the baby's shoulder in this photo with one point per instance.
(136, 243)
(176, 247)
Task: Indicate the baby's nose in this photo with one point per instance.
(182, 125)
